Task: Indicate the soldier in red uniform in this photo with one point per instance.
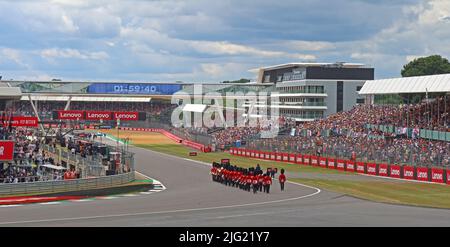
(282, 179)
(255, 183)
(249, 182)
(260, 181)
(268, 182)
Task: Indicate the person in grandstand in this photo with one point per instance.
(282, 179)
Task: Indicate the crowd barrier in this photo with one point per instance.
(59, 186)
(177, 139)
(419, 173)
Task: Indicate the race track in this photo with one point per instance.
(192, 199)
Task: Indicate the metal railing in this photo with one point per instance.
(58, 186)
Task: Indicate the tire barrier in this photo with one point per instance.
(425, 174)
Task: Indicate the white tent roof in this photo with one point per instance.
(194, 108)
(54, 167)
(416, 84)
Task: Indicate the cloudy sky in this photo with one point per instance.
(210, 41)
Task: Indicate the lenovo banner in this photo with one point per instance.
(331, 163)
(98, 115)
(272, 156)
(278, 157)
(350, 166)
(70, 115)
(371, 168)
(126, 116)
(340, 165)
(285, 157)
(314, 161)
(383, 170)
(306, 159)
(422, 173)
(394, 171)
(6, 150)
(408, 172)
(360, 167)
(437, 175)
(323, 162)
(292, 158)
(299, 159)
(448, 176)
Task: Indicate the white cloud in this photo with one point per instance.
(302, 45)
(72, 53)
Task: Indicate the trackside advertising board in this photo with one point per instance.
(6, 150)
(70, 115)
(323, 162)
(448, 176)
(395, 171)
(350, 166)
(371, 168)
(408, 172)
(99, 115)
(306, 159)
(360, 167)
(331, 163)
(340, 165)
(437, 175)
(299, 159)
(383, 170)
(314, 161)
(422, 173)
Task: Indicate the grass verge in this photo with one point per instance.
(182, 151)
(406, 193)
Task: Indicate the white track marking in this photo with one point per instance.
(49, 203)
(164, 212)
(129, 195)
(11, 206)
(146, 193)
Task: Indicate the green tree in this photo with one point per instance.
(431, 65)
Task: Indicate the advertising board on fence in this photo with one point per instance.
(371, 168)
(306, 159)
(299, 159)
(408, 172)
(360, 167)
(350, 166)
(340, 165)
(323, 162)
(6, 150)
(394, 171)
(331, 163)
(437, 175)
(383, 170)
(422, 173)
(314, 161)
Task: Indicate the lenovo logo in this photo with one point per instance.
(422, 174)
(395, 172)
(409, 174)
(438, 176)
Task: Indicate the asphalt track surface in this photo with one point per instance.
(192, 199)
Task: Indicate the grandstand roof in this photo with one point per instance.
(416, 84)
(288, 65)
(87, 98)
(10, 92)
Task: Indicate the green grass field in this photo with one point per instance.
(406, 193)
(182, 151)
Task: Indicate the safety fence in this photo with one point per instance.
(412, 132)
(419, 173)
(45, 187)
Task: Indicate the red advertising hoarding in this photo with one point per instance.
(349, 166)
(314, 161)
(371, 168)
(285, 157)
(331, 163)
(360, 167)
(272, 156)
(323, 162)
(340, 165)
(20, 121)
(70, 115)
(408, 172)
(299, 159)
(6, 150)
(267, 155)
(437, 175)
(448, 176)
(278, 157)
(126, 116)
(306, 159)
(394, 171)
(383, 170)
(99, 115)
(422, 173)
(292, 158)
